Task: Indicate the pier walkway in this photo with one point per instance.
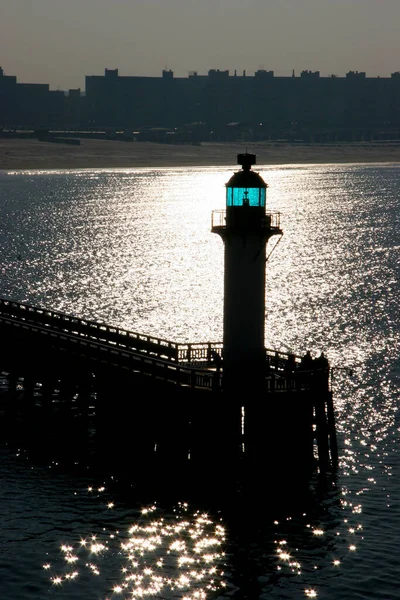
(182, 364)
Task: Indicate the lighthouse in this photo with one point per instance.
(245, 229)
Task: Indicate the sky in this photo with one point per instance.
(59, 42)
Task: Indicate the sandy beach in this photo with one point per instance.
(27, 154)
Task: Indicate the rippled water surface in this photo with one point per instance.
(134, 248)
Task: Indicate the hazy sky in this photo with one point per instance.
(60, 41)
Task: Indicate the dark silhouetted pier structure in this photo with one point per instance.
(162, 403)
(210, 411)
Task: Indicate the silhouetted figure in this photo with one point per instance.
(321, 366)
(217, 359)
(216, 382)
(321, 362)
(290, 364)
(306, 362)
(306, 370)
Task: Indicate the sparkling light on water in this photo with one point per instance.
(134, 248)
(156, 557)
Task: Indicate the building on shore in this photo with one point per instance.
(218, 106)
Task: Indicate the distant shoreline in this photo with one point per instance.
(31, 154)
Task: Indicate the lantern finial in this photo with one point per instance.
(246, 160)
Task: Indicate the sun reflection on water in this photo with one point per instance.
(156, 556)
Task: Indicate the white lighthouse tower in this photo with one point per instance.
(245, 229)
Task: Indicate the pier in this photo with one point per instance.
(157, 403)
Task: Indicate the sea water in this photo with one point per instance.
(134, 248)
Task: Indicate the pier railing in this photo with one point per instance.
(46, 339)
(198, 354)
(92, 330)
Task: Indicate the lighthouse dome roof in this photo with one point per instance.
(246, 179)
